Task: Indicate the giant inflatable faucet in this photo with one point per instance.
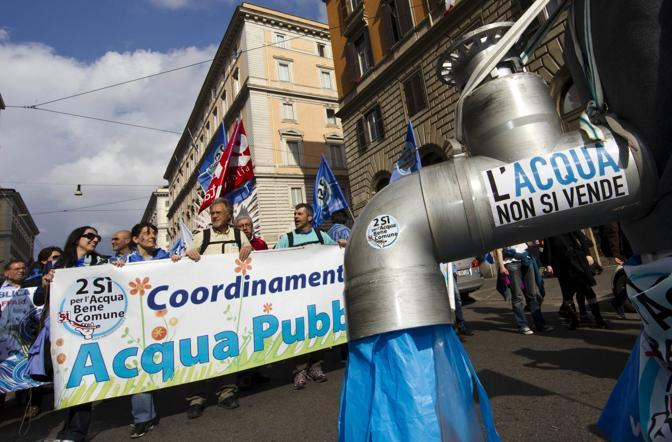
(518, 177)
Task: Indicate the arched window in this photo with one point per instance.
(379, 181)
(431, 154)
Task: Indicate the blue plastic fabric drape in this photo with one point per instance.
(414, 384)
(640, 406)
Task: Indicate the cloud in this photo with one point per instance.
(4, 35)
(43, 147)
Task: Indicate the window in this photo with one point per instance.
(283, 71)
(379, 181)
(167, 203)
(363, 52)
(296, 196)
(293, 152)
(399, 21)
(414, 90)
(331, 117)
(280, 40)
(325, 79)
(336, 155)
(395, 28)
(321, 50)
(370, 127)
(236, 83)
(288, 111)
(224, 104)
(207, 130)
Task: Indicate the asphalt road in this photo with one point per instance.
(548, 387)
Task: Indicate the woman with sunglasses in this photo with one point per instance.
(79, 251)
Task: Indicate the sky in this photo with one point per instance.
(52, 49)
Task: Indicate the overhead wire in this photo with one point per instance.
(168, 71)
(87, 211)
(82, 184)
(74, 209)
(104, 120)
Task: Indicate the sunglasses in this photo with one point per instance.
(91, 236)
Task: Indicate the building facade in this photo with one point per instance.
(385, 58)
(17, 228)
(274, 71)
(156, 213)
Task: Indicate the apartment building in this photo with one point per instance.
(385, 61)
(275, 71)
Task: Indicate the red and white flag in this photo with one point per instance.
(241, 167)
(219, 176)
(450, 4)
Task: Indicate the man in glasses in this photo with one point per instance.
(244, 224)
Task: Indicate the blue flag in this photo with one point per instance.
(409, 161)
(207, 168)
(327, 196)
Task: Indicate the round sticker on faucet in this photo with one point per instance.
(382, 231)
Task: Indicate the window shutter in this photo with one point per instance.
(405, 16)
(361, 138)
(386, 32)
(352, 63)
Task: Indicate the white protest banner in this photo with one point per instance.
(554, 182)
(145, 326)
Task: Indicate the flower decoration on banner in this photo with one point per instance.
(139, 286)
(172, 321)
(243, 266)
(59, 342)
(268, 307)
(161, 313)
(60, 358)
(159, 333)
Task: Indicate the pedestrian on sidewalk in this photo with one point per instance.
(515, 266)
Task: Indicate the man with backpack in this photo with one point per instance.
(304, 234)
(219, 238)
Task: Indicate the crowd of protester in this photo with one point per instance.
(139, 244)
(520, 279)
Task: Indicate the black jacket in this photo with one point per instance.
(567, 253)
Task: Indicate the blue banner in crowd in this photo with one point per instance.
(327, 196)
(211, 159)
(18, 327)
(409, 161)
